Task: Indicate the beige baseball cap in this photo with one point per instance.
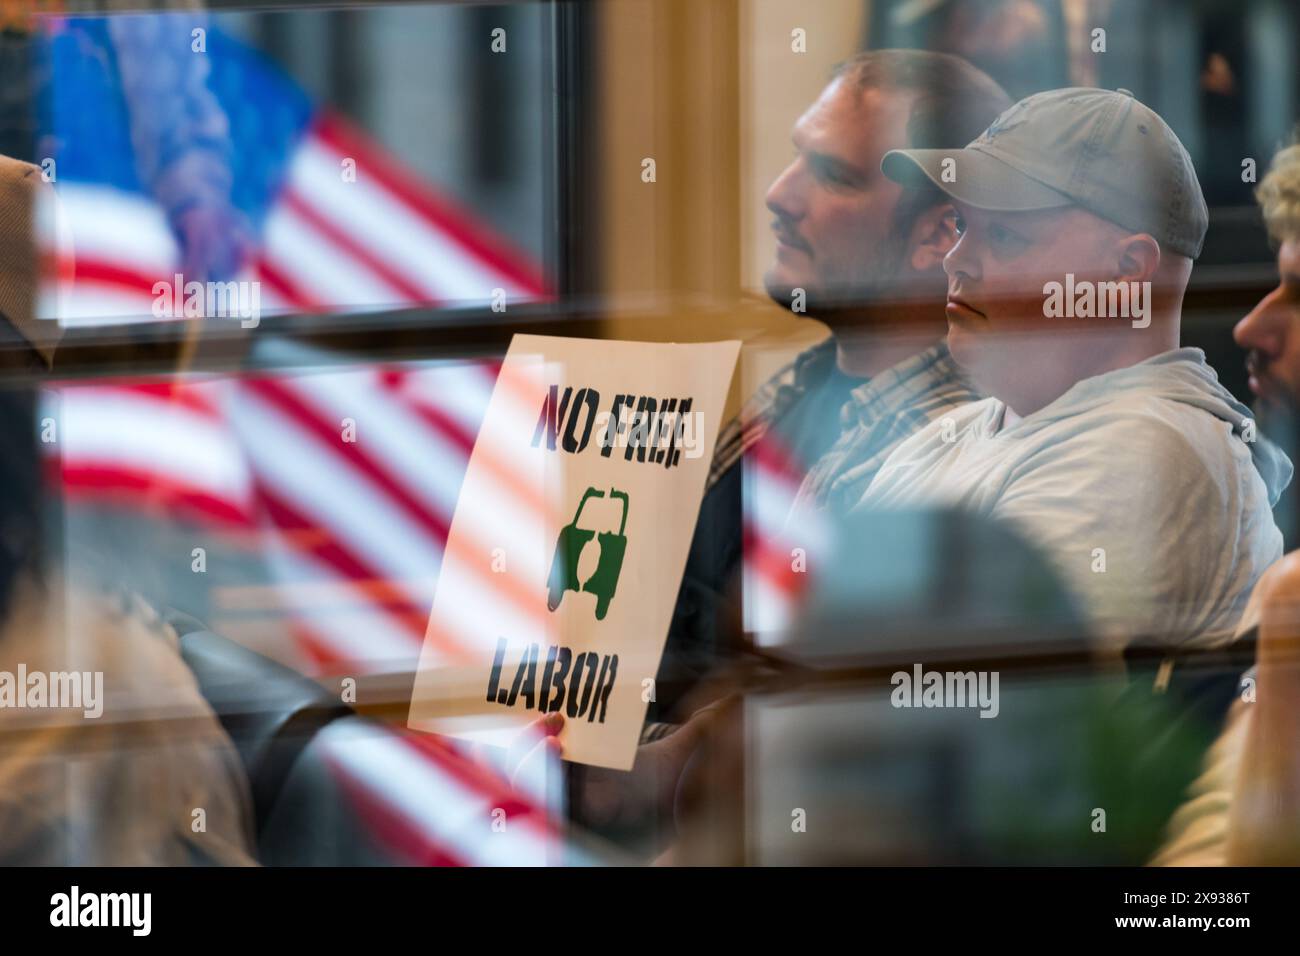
(1098, 149)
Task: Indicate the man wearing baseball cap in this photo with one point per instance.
(1106, 443)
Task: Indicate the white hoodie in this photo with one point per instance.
(1147, 486)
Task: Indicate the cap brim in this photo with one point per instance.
(977, 179)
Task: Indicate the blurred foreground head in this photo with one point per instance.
(937, 703)
(1080, 215)
(1271, 332)
(847, 236)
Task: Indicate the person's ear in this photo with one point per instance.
(1139, 258)
(934, 233)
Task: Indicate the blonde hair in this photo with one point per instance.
(1279, 194)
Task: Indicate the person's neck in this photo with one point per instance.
(1134, 351)
(870, 340)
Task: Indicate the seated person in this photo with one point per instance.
(1245, 807)
(109, 755)
(1112, 449)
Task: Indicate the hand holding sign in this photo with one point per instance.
(615, 797)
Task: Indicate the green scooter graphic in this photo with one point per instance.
(568, 547)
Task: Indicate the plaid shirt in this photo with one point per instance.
(880, 413)
(768, 406)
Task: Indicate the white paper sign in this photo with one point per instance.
(569, 542)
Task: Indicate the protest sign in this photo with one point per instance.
(569, 541)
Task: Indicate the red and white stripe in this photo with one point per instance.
(163, 446)
(371, 516)
(774, 587)
(439, 808)
(330, 242)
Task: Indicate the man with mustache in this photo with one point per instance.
(1111, 448)
(1245, 808)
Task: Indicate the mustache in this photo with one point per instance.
(786, 234)
(1256, 363)
(1277, 401)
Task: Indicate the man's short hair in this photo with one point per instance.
(954, 101)
(1279, 194)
